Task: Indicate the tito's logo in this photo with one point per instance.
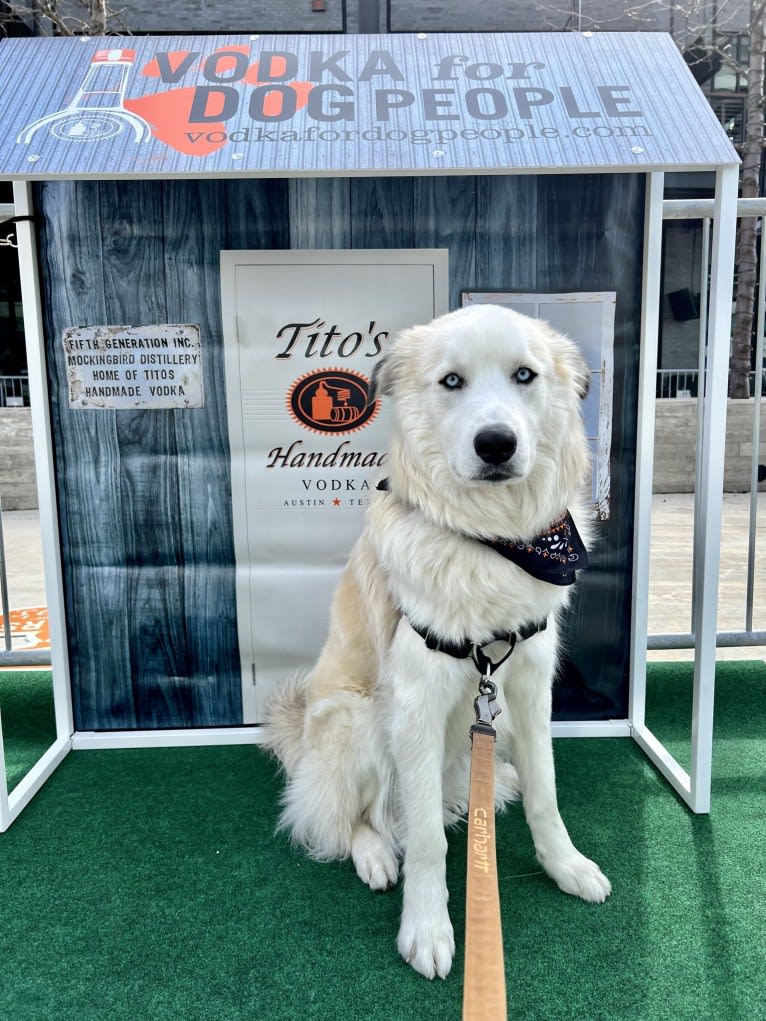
(331, 401)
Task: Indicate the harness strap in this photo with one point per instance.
(466, 647)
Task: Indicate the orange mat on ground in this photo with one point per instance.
(29, 629)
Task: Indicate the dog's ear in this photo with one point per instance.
(381, 381)
(388, 373)
(571, 365)
(583, 382)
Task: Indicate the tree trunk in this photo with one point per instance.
(98, 17)
(747, 253)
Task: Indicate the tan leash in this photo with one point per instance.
(484, 996)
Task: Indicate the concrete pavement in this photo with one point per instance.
(24, 559)
(670, 573)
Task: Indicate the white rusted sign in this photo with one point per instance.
(134, 366)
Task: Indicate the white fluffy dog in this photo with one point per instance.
(488, 444)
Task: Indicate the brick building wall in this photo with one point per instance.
(242, 16)
(18, 488)
(231, 16)
(520, 16)
(276, 16)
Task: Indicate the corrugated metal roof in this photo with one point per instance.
(370, 104)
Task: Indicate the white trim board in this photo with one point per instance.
(85, 740)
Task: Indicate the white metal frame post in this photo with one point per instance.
(5, 810)
(694, 786)
(647, 382)
(11, 804)
(711, 448)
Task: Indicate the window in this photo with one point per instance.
(735, 47)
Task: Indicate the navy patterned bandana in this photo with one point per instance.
(554, 556)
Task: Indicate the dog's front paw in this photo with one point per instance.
(374, 858)
(427, 942)
(581, 877)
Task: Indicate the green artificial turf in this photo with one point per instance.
(28, 720)
(151, 885)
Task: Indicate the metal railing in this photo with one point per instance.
(677, 383)
(703, 209)
(681, 383)
(14, 392)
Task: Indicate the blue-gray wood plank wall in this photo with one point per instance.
(145, 496)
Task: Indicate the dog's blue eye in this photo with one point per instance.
(524, 375)
(452, 381)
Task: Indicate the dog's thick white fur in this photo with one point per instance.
(375, 742)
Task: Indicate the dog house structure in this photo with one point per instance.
(217, 237)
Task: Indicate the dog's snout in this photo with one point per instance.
(495, 446)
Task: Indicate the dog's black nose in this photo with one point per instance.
(495, 446)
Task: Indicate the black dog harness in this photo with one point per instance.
(553, 556)
(466, 648)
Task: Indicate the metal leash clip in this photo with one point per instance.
(485, 702)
